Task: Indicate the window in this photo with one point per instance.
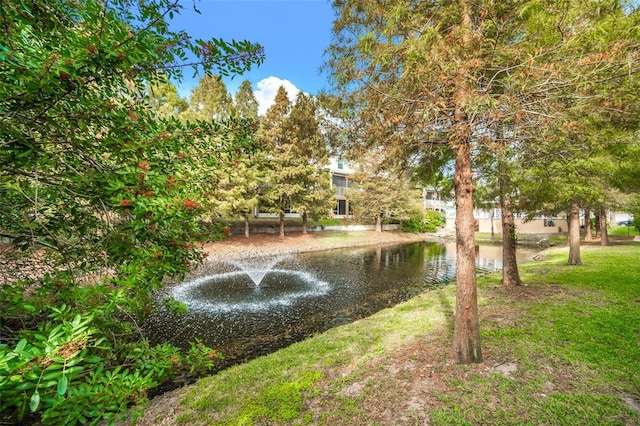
(340, 208)
(339, 181)
(340, 163)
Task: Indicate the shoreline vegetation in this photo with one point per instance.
(562, 349)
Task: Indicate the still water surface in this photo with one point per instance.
(247, 310)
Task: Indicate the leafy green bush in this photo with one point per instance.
(67, 372)
(174, 306)
(101, 200)
(327, 221)
(430, 223)
(416, 226)
(58, 371)
(434, 218)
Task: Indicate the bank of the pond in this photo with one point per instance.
(238, 246)
(562, 350)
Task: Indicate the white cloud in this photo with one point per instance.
(267, 89)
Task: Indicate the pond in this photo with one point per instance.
(249, 309)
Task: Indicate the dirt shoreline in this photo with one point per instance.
(238, 246)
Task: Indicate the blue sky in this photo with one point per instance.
(294, 34)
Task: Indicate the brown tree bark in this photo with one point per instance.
(466, 334)
(574, 235)
(378, 223)
(604, 234)
(281, 225)
(246, 226)
(304, 222)
(587, 225)
(510, 274)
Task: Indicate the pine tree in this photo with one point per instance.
(210, 100)
(413, 77)
(246, 105)
(295, 181)
(164, 99)
(304, 133)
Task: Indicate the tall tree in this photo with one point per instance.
(210, 100)
(411, 75)
(303, 131)
(591, 97)
(238, 186)
(409, 72)
(281, 186)
(164, 99)
(296, 178)
(444, 73)
(372, 195)
(588, 236)
(246, 105)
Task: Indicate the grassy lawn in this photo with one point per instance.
(624, 231)
(562, 350)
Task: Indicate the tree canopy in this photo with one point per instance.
(414, 79)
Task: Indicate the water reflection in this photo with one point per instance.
(301, 295)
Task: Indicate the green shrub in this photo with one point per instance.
(326, 221)
(68, 373)
(416, 226)
(434, 218)
(174, 306)
(430, 223)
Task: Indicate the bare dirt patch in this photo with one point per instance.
(238, 246)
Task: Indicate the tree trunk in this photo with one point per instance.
(510, 274)
(597, 222)
(281, 226)
(246, 226)
(466, 335)
(574, 235)
(304, 222)
(604, 234)
(493, 234)
(378, 223)
(587, 225)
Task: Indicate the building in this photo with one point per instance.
(340, 173)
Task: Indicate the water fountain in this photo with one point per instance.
(266, 287)
(257, 267)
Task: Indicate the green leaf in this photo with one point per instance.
(25, 386)
(34, 403)
(62, 385)
(21, 345)
(28, 307)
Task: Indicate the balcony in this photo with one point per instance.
(436, 204)
(340, 190)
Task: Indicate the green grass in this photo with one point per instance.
(577, 349)
(573, 332)
(623, 231)
(526, 239)
(242, 394)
